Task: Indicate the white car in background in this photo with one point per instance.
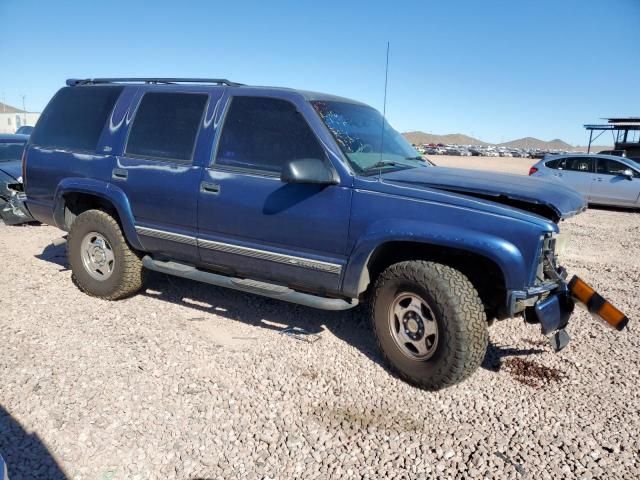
(601, 179)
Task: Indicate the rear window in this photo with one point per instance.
(75, 117)
(166, 125)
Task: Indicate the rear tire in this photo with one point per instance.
(429, 322)
(102, 262)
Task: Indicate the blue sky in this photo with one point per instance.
(495, 69)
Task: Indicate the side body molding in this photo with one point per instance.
(508, 258)
(107, 191)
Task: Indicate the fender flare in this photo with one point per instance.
(104, 190)
(504, 254)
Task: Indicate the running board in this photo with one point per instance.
(265, 289)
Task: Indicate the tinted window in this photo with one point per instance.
(554, 163)
(75, 117)
(579, 164)
(166, 125)
(264, 133)
(611, 167)
(11, 150)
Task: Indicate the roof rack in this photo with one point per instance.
(72, 82)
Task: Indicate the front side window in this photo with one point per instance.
(75, 117)
(611, 167)
(579, 164)
(368, 142)
(263, 133)
(166, 126)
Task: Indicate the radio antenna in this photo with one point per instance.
(384, 110)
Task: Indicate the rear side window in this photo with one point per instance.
(75, 117)
(579, 164)
(263, 133)
(166, 126)
(557, 164)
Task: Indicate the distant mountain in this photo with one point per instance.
(453, 138)
(418, 138)
(531, 142)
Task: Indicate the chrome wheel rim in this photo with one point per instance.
(413, 326)
(97, 256)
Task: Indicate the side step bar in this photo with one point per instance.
(270, 290)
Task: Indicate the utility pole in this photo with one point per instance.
(24, 109)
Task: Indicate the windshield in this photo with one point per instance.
(12, 150)
(358, 131)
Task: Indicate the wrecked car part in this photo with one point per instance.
(597, 306)
(301, 334)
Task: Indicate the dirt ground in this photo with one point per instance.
(190, 381)
(498, 164)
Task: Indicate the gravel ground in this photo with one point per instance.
(191, 381)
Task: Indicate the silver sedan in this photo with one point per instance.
(602, 179)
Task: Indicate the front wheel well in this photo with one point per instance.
(485, 275)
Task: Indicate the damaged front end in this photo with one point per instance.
(13, 210)
(551, 301)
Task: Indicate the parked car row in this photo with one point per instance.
(482, 151)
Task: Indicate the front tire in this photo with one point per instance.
(430, 323)
(102, 262)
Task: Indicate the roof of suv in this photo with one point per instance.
(213, 83)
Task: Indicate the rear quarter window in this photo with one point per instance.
(75, 117)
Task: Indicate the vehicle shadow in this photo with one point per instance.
(24, 453)
(611, 208)
(55, 254)
(351, 326)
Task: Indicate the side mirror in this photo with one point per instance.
(628, 173)
(308, 170)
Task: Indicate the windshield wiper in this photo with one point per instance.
(381, 164)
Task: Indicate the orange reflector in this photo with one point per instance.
(597, 306)
(580, 290)
(612, 316)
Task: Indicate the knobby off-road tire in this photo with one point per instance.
(408, 297)
(102, 262)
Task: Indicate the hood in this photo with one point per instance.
(550, 199)
(12, 168)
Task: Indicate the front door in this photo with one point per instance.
(611, 186)
(157, 173)
(252, 224)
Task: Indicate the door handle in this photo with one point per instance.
(210, 188)
(119, 174)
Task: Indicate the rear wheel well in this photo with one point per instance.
(76, 203)
(485, 275)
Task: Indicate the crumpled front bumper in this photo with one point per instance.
(13, 210)
(552, 304)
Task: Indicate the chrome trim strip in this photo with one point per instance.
(164, 235)
(271, 256)
(244, 251)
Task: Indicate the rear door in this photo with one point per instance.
(612, 187)
(157, 173)
(577, 172)
(251, 223)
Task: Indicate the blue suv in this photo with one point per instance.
(300, 196)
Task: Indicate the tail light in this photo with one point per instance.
(532, 170)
